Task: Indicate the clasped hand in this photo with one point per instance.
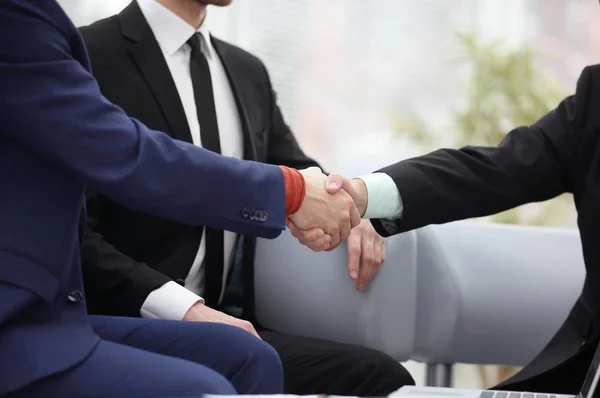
(324, 231)
(326, 217)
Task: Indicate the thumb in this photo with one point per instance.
(335, 182)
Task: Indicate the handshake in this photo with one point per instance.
(332, 206)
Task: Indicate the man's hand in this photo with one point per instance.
(356, 188)
(366, 253)
(201, 313)
(334, 213)
(316, 238)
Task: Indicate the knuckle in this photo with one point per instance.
(354, 251)
(348, 200)
(247, 325)
(315, 235)
(314, 245)
(345, 216)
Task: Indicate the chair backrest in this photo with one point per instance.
(311, 294)
(492, 293)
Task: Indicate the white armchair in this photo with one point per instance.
(310, 294)
(457, 293)
(491, 293)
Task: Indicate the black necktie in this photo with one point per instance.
(209, 134)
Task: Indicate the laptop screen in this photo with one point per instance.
(590, 384)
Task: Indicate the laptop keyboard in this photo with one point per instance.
(503, 394)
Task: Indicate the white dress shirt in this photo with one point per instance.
(172, 301)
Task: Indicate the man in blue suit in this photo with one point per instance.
(58, 133)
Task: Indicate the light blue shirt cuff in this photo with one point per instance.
(384, 200)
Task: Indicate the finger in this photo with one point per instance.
(289, 223)
(346, 230)
(247, 326)
(292, 227)
(296, 232)
(313, 234)
(255, 333)
(335, 240)
(348, 187)
(319, 244)
(380, 250)
(355, 218)
(334, 182)
(368, 264)
(315, 239)
(354, 255)
(383, 250)
(308, 235)
(323, 243)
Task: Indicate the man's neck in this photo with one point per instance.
(190, 11)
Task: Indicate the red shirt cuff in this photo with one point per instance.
(295, 189)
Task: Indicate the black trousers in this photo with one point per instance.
(314, 366)
(559, 369)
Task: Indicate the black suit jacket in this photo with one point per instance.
(557, 154)
(129, 254)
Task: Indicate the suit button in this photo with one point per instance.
(264, 216)
(180, 281)
(261, 216)
(75, 296)
(245, 212)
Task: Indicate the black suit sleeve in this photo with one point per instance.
(532, 164)
(115, 284)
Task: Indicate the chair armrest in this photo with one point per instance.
(491, 293)
(310, 294)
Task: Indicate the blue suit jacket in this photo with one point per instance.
(57, 134)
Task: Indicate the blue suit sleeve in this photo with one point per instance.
(50, 103)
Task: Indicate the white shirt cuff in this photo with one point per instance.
(170, 301)
(384, 200)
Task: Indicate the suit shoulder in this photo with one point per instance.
(587, 84)
(587, 93)
(101, 35)
(594, 69)
(243, 56)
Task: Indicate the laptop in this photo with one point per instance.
(588, 390)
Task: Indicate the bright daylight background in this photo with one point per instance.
(349, 73)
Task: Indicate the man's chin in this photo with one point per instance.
(218, 3)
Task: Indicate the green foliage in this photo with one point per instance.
(504, 91)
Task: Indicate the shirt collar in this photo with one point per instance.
(172, 32)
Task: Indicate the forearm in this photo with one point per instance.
(448, 185)
(115, 283)
(77, 130)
